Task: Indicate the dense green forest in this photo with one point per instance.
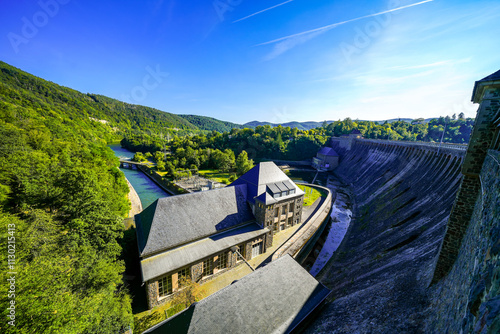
(62, 202)
(217, 150)
(211, 124)
(457, 129)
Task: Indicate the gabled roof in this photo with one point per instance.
(479, 86)
(328, 151)
(264, 176)
(177, 220)
(273, 299)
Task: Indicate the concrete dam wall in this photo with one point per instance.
(403, 196)
(422, 252)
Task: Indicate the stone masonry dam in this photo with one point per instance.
(422, 252)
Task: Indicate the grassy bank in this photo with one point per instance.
(311, 194)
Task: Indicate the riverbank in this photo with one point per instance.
(135, 208)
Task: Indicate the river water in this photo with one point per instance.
(341, 218)
(147, 190)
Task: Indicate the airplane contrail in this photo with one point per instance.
(340, 23)
(264, 10)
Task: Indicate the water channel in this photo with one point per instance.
(341, 218)
(147, 190)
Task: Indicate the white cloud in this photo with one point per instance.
(288, 42)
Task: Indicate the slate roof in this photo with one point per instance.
(177, 220)
(163, 263)
(260, 177)
(494, 76)
(480, 85)
(328, 151)
(273, 299)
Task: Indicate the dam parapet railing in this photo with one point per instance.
(458, 149)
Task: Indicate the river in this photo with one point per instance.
(147, 190)
(341, 218)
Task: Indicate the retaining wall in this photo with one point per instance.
(468, 299)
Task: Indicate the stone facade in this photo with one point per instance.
(281, 215)
(467, 300)
(481, 139)
(196, 270)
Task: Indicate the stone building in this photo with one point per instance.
(274, 299)
(199, 235)
(275, 200)
(356, 134)
(326, 159)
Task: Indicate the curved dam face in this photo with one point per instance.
(402, 199)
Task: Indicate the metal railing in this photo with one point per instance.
(460, 147)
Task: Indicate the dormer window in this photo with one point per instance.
(280, 189)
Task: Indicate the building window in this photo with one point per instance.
(208, 267)
(165, 286)
(222, 261)
(184, 274)
(242, 251)
(276, 212)
(291, 207)
(290, 221)
(292, 191)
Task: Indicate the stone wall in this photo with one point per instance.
(152, 294)
(266, 215)
(467, 300)
(481, 140)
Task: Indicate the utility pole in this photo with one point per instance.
(442, 136)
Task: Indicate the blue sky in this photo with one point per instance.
(278, 61)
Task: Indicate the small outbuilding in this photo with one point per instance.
(326, 159)
(356, 134)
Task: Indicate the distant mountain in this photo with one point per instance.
(211, 124)
(299, 125)
(409, 120)
(311, 125)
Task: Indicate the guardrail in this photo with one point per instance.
(459, 147)
(305, 234)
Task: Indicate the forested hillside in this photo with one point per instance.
(211, 124)
(102, 116)
(62, 202)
